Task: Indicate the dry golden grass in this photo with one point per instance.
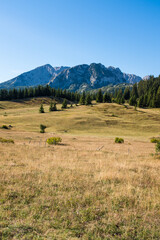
(102, 119)
(88, 187)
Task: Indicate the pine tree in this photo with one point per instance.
(41, 109)
(82, 99)
(42, 128)
(52, 107)
(93, 96)
(134, 92)
(132, 101)
(122, 100)
(88, 100)
(145, 101)
(157, 102)
(99, 97)
(153, 102)
(25, 93)
(141, 102)
(106, 98)
(64, 104)
(119, 98)
(127, 93)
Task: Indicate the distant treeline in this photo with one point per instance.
(39, 91)
(144, 94)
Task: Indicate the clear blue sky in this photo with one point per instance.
(120, 33)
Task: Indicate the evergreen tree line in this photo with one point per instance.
(147, 93)
(47, 91)
(144, 94)
(40, 91)
(86, 98)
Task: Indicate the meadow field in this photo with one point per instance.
(87, 187)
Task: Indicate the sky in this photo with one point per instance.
(119, 33)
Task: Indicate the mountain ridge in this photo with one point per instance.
(78, 78)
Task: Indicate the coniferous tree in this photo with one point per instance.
(122, 100)
(41, 109)
(30, 92)
(107, 98)
(145, 101)
(153, 102)
(82, 99)
(157, 100)
(119, 98)
(25, 93)
(42, 128)
(14, 93)
(132, 101)
(141, 102)
(134, 92)
(88, 100)
(52, 107)
(64, 104)
(99, 97)
(127, 93)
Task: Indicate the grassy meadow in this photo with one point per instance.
(87, 187)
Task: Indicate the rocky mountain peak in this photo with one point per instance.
(77, 78)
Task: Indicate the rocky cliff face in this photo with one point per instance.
(38, 76)
(87, 77)
(78, 78)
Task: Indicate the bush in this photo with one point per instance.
(54, 140)
(42, 128)
(3, 140)
(158, 147)
(119, 140)
(5, 127)
(155, 140)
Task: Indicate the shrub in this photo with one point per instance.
(3, 140)
(158, 147)
(42, 128)
(155, 140)
(119, 140)
(5, 127)
(54, 140)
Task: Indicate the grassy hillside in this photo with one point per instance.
(87, 187)
(99, 119)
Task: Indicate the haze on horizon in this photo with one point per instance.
(122, 34)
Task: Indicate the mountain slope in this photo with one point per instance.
(130, 78)
(93, 76)
(79, 78)
(38, 76)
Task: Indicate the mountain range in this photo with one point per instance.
(78, 78)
